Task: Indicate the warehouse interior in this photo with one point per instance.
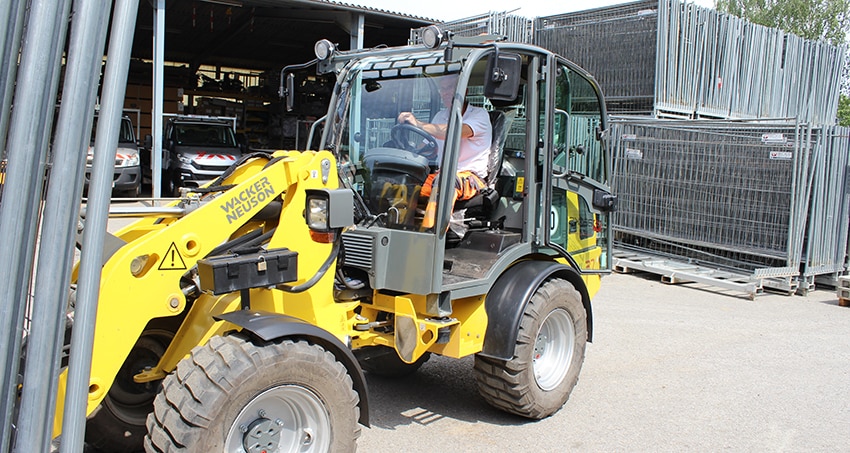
(224, 57)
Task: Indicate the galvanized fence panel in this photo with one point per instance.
(734, 195)
(825, 249)
(616, 44)
(674, 59)
(715, 65)
(515, 28)
(769, 201)
(42, 206)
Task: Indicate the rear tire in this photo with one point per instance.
(547, 359)
(285, 397)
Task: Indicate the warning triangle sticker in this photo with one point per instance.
(172, 261)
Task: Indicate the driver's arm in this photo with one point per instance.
(436, 130)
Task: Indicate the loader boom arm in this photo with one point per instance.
(150, 276)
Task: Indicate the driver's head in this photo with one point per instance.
(447, 85)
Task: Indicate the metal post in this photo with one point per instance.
(357, 30)
(24, 178)
(11, 36)
(100, 188)
(156, 120)
(51, 294)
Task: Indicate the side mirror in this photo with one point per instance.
(290, 91)
(604, 201)
(148, 143)
(502, 78)
(242, 142)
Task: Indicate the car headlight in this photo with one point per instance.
(184, 158)
(127, 160)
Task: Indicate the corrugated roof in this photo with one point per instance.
(376, 10)
(265, 34)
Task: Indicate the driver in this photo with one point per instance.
(476, 139)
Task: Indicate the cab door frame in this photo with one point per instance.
(595, 193)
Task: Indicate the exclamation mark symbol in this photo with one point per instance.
(176, 262)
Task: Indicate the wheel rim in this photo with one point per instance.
(286, 418)
(553, 349)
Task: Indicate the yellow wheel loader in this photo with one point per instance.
(241, 317)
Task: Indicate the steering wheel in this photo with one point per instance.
(414, 139)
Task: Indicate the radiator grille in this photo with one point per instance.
(357, 250)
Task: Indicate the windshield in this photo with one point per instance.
(387, 161)
(200, 134)
(125, 133)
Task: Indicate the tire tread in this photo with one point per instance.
(507, 385)
(187, 407)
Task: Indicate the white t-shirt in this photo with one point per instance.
(474, 151)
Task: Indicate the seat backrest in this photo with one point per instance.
(500, 123)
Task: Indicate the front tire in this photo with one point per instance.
(170, 183)
(547, 359)
(231, 394)
(118, 423)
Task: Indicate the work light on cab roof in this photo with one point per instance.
(324, 49)
(432, 36)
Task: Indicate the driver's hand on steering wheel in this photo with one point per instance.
(407, 117)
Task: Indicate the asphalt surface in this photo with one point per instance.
(671, 368)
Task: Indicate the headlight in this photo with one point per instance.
(184, 158)
(127, 160)
(317, 213)
(328, 209)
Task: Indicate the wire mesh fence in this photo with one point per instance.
(513, 27)
(825, 249)
(762, 199)
(722, 66)
(675, 59)
(616, 44)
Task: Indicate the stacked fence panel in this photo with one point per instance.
(829, 210)
(765, 199)
(732, 195)
(715, 65)
(675, 59)
(510, 26)
(616, 44)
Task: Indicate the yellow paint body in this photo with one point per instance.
(141, 281)
(167, 247)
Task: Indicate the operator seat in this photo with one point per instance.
(481, 205)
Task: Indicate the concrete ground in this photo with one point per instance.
(672, 368)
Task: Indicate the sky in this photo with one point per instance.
(448, 10)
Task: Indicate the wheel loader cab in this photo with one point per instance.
(387, 164)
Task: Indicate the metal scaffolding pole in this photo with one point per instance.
(42, 366)
(27, 150)
(100, 188)
(158, 74)
(12, 15)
